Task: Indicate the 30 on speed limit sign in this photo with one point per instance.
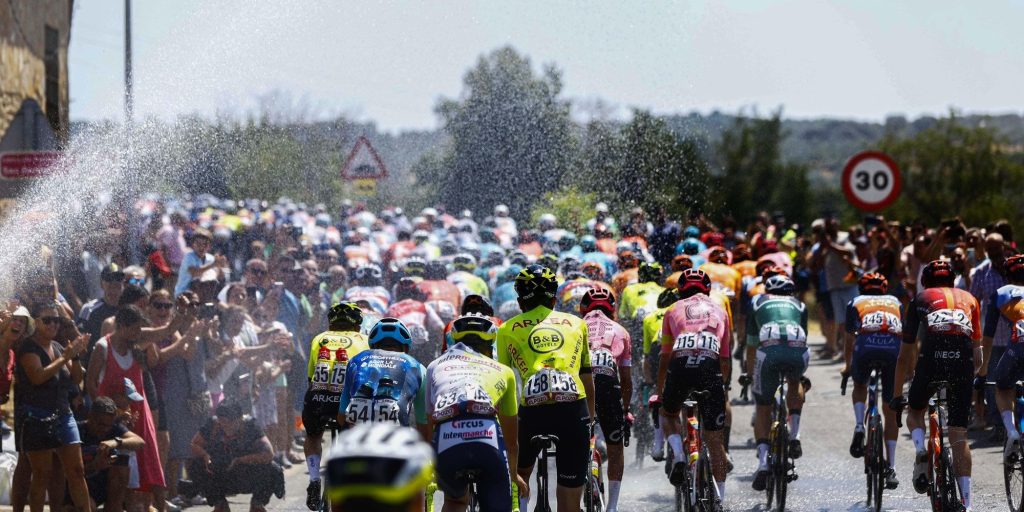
(871, 181)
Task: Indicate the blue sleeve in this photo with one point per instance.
(420, 402)
(991, 316)
(351, 376)
(852, 318)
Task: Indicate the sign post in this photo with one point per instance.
(871, 181)
(28, 164)
(363, 168)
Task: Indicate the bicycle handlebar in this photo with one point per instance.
(846, 377)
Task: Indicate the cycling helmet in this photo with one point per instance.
(667, 297)
(718, 254)
(627, 260)
(691, 246)
(518, 258)
(536, 284)
(937, 273)
(547, 221)
(740, 253)
(779, 284)
(414, 266)
(567, 242)
(345, 314)
(650, 272)
(765, 267)
(548, 260)
(368, 275)
(381, 462)
(475, 330)
(593, 270)
(449, 247)
(694, 280)
(873, 283)
(435, 270)
(464, 261)
(588, 243)
(406, 289)
(1014, 266)
(571, 268)
(390, 329)
(597, 298)
(509, 274)
(681, 263)
(476, 304)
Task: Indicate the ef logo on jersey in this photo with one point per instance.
(545, 339)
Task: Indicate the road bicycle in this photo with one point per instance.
(943, 488)
(593, 492)
(1013, 464)
(697, 492)
(876, 467)
(334, 428)
(781, 468)
(547, 445)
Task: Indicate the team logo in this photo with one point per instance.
(545, 340)
(345, 342)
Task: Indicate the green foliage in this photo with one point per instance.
(511, 139)
(571, 206)
(754, 178)
(951, 169)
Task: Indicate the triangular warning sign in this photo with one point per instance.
(363, 163)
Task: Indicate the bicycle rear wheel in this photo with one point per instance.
(950, 497)
(1013, 477)
(780, 466)
(770, 481)
(707, 494)
(878, 465)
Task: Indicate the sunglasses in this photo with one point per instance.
(138, 281)
(162, 305)
(50, 320)
(257, 271)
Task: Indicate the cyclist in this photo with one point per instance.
(504, 295)
(652, 352)
(385, 381)
(628, 265)
(948, 320)
(593, 271)
(471, 402)
(570, 293)
(329, 354)
(640, 298)
(723, 277)
(875, 319)
(776, 343)
(694, 355)
(471, 304)
(1008, 307)
(680, 264)
(443, 296)
(611, 361)
(382, 468)
(369, 286)
(743, 261)
(423, 323)
(463, 276)
(551, 354)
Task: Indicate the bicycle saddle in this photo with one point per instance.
(543, 442)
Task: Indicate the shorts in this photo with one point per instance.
(30, 436)
(682, 379)
(826, 305)
(318, 415)
(1010, 368)
(954, 364)
(770, 364)
(860, 369)
(570, 422)
(840, 297)
(494, 489)
(610, 413)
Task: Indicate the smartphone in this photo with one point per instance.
(207, 311)
(871, 221)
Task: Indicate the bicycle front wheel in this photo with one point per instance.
(1013, 477)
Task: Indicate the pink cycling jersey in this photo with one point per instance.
(696, 315)
(605, 334)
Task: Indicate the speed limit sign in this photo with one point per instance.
(871, 181)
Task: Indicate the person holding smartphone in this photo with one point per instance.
(106, 444)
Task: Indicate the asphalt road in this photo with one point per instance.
(829, 479)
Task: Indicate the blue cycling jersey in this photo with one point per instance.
(371, 366)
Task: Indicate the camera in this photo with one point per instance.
(207, 311)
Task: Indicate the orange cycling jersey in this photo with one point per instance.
(723, 277)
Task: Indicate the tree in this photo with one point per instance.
(951, 169)
(511, 135)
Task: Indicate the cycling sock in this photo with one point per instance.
(676, 442)
(659, 439)
(762, 453)
(721, 491)
(858, 413)
(613, 494)
(890, 452)
(794, 423)
(965, 489)
(917, 435)
(313, 464)
(1011, 429)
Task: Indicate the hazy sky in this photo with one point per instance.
(390, 62)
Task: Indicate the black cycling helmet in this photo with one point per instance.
(650, 272)
(938, 274)
(345, 314)
(435, 270)
(548, 260)
(476, 304)
(406, 288)
(873, 283)
(1014, 266)
(536, 285)
(475, 330)
(668, 297)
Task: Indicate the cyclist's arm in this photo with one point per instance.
(313, 353)
(908, 350)
(588, 386)
(852, 319)
(351, 375)
(626, 370)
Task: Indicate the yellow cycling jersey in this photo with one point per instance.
(463, 381)
(549, 350)
(639, 297)
(652, 329)
(324, 353)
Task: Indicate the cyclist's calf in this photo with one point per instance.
(961, 451)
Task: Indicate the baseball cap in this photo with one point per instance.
(131, 392)
(112, 272)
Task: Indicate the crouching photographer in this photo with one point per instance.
(106, 448)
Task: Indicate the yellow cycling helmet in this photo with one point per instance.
(380, 461)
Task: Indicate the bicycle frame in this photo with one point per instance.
(548, 449)
(694, 442)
